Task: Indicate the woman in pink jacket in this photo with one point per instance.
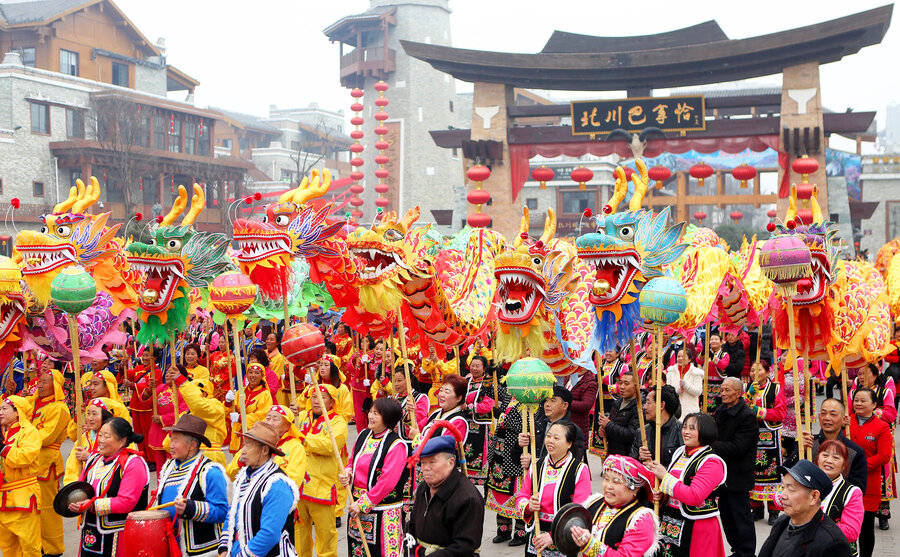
(845, 502)
(689, 513)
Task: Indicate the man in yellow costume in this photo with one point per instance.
(20, 494)
(51, 419)
(319, 491)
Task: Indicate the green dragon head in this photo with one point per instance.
(176, 259)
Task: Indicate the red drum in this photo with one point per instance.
(147, 534)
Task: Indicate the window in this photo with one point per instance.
(68, 62)
(159, 133)
(74, 123)
(531, 203)
(40, 118)
(175, 136)
(203, 142)
(244, 143)
(1, 186)
(120, 74)
(76, 175)
(287, 176)
(142, 134)
(575, 202)
(451, 106)
(28, 56)
(295, 145)
(190, 138)
(38, 189)
(227, 144)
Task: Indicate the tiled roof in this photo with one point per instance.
(13, 13)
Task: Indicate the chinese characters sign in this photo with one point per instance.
(670, 114)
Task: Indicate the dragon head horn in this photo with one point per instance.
(288, 196)
(814, 205)
(549, 227)
(640, 185)
(64, 206)
(317, 187)
(197, 203)
(523, 229)
(791, 213)
(619, 191)
(91, 195)
(411, 216)
(177, 207)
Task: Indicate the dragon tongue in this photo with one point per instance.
(606, 273)
(154, 283)
(518, 292)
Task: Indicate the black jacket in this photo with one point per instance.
(735, 358)
(622, 428)
(671, 440)
(824, 539)
(452, 518)
(858, 467)
(738, 433)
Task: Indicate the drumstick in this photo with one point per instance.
(163, 506)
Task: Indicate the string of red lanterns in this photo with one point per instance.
(478, 196)
(357, 148)
(804, 166)
(381, 159)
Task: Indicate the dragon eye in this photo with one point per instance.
(174, 244)
(393, 235)
(265, 218)
(282, 220)
(63, 230)
(44, 230)
(626, 232)
(537, 260)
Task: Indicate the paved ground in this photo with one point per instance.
(885, 544)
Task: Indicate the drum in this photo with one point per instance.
(147, 534)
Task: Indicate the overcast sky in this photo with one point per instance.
(248, 55)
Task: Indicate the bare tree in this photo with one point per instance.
(312, 148)
(122, 128)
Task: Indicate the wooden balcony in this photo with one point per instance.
(376, 62)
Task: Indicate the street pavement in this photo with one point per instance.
(885, 545)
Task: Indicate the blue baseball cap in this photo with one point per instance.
(440, 444)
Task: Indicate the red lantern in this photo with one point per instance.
(356, 107)
(356, 202)
(805, 216)
(700, 216)
(382, 202)
(381, 173)
(478, 197)
(478, 173)
(357, 121)
(357, 148)
(804, 166)
(381, 86)
(479, 220)
(736, 216)
(382, 145)
(357, 134)
(582, 175)
(380, 116)
(743, 173)
(381, 130)
(701, 171)
(772, 214)
(381, 187)
(356, 162)
(381, 102)
(628, 172)
(542, 175)
(660, 174)
(356, 213)
(356, 175)
(303, 344)
(356, 189)
(356, 94)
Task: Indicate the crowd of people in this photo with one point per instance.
(407, 449)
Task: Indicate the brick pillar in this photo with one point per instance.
(801, 107)
(488, 123)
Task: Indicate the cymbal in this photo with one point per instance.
(569, 515)
(74, 492)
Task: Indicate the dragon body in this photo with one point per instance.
(12, 310)
(543, 309)
(628, 249)
(71, 236)
(178, 258)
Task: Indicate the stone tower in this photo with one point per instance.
(421, 99)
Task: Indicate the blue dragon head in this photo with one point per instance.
(628, 249)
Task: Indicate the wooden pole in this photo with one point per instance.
(172, 386)
(598, 363)
(337, 456)
(657, 442)
(705, 407)
(796, 375)
(535, 486)
(843, 373)
(758, 341)
(240, 375)
(409, 386)
(288, 366)
(807, 398)
(76, 368)
(640, 404)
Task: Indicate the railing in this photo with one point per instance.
(369, 61)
